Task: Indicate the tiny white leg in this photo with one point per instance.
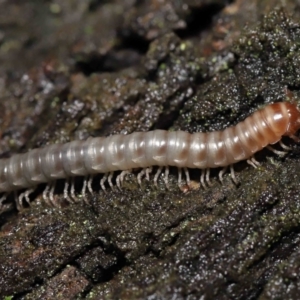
(110, 176)
(233, 175)
(89, 184)
(207, 177)
(20, 201)
(202, 178)
(187, 176)
(118, 181)
(66, 194)
(140, 176)
(166, 178)
(257, 163)
(221, 173)
(25, 196)
(295, 138)
(72, 190)
(123, 175)
(279, 153)
(3, 197)
(148, 171)
(102, 181)
(179, 176)
(251, 163)
(157, 175)
(83, 190)
(51, 194)
(285, 147)
(45, 193)
(66, 189)
(27, 193)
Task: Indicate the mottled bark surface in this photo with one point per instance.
(74, 69)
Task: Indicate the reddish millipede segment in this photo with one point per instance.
(155, 148)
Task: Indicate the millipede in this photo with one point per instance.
(145, 150)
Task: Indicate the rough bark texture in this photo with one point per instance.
(73, 69)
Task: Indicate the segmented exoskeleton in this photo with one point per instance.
(147, 149)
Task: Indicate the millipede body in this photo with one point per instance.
(154, 148)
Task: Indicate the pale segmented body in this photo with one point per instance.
(155, 148)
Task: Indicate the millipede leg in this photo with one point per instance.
(26, 194)
(17, 201)
(51, 194)
(221, 173)
(202, 179)
(20, 201)
(83, 190)
(140, 176)
(295, 138)
(233, 175)
(285, 147)
(257, 163)
(253, 162)
(148, 171)
(187, 176)
(45, 194)
(179, 176)
(144, 171)
(249, 161)
(72, 190)
(110, 176)
(102, 181)
(157, 175)
(1, 200)
(66, 194)
(89, 184)
(207, 177)
(123, 175)
(166, 177)
(120, 179)
(66, 189)
(86, 182)
(279, 153)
